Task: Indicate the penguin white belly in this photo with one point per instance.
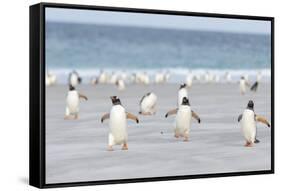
(183, 120)
(74, 80)
(242, 86)
(118, 125)
(189, 81)
(182, 93)
(72, 102)
(102, 78)
(249, 125)
(121, 85)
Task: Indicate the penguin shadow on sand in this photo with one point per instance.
(248, 120)
(117, 117)
(183, 119)
(72, 103)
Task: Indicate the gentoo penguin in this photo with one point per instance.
(159, 78)
(148, 104)
(123, 76)
(145, 78)
(118, 124)
(167, 76)
(183, 119)
(243, 85)
(102, 78)
(248, 123)
(74, 79)
(72, 103)
(254, 87)
(189, 79)
(94, 81)
(113, 78)
(228, 77)
(182, 93)
(120, 84)
(51, 79)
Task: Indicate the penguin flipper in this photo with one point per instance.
(254, 86)
(196, 116)
(171, 112)
(104, 117)
(83, 96)
(257, 141)
(240, 117)
(262, 120)
(131, 116)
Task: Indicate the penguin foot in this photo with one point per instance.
(185, 140)
(248, 144)
(109, 148)
(67, 117)
(125, 147)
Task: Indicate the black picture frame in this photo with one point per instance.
(37, 94)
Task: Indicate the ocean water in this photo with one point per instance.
(89, 48)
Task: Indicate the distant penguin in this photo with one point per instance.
(189, 79)
(74, 79)
(228, 77)
(51, 79)
(123, 76)
(248, 123)
(159, 78)
(145, 78)
(72, 103)
(254, 87)
(182, 93)
(94, 81)
(167, 76)
(148, 104)
(208, 77)
(118, 124)
(183, 119)
(120, 84)
(243, 85)
(113, 78)
(259, 76)
(102, 78)
(217, 78)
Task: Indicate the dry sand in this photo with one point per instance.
(76, 150)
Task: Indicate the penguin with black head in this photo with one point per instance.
(72, 103)
(118, 124)
(184, 115)
(182, 93)
(248, 124)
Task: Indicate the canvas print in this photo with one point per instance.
(139, 95)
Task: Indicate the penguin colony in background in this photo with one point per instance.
(118, 115)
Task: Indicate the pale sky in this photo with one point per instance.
(157, 20)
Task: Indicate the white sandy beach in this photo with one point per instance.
(77, 150)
